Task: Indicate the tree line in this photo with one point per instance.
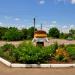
(14, 34)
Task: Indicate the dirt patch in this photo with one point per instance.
(16, 43)
(51, 41)
(4, 70)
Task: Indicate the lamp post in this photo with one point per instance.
(34, 25)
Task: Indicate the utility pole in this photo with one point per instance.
(34, 25)
(41, 26)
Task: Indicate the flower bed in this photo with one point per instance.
(26, 53)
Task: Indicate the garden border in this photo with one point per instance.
(15, 65)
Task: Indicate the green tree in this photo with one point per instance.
(2, 31)
(31, 32)
(13, 34)
(25, 33)
(72, 31)
(54, 32)
(64, 35)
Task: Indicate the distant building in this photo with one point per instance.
(40, 38)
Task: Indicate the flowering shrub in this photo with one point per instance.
(61, 55)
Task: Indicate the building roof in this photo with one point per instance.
(40, 32)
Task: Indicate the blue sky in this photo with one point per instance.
(51, 13)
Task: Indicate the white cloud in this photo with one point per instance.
(17, 19)
(58, 1)
(65, 1)
(42, 2)
(54, 22)
(10, 17)
(72, 26)
(46, 29)
(7, 17)
(73, 1)
(64, 27)
(52, 25)
(1, 23)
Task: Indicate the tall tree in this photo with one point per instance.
(31, 32)
(72, 31)
(2, 31)
(25, 33)
(54, 32)
(13, 34)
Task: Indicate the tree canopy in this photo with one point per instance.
(54, 32)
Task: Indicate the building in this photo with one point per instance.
(40, 38)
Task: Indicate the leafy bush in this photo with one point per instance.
(59, 57)
(71, 50)
(70, 45)
(8, 47)
(27, 53)
(1, 52)
(54, 47)
(7, 52)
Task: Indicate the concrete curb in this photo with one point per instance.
(16, 65)
(61, 65)
(5, 61)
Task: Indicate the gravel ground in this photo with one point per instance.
(51, 41)
(16, 43)
(61, 41)
(4, 70)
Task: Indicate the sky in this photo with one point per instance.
(49, 13)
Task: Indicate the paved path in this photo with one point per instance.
(4, 70)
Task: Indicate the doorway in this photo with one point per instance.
(40, 44)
